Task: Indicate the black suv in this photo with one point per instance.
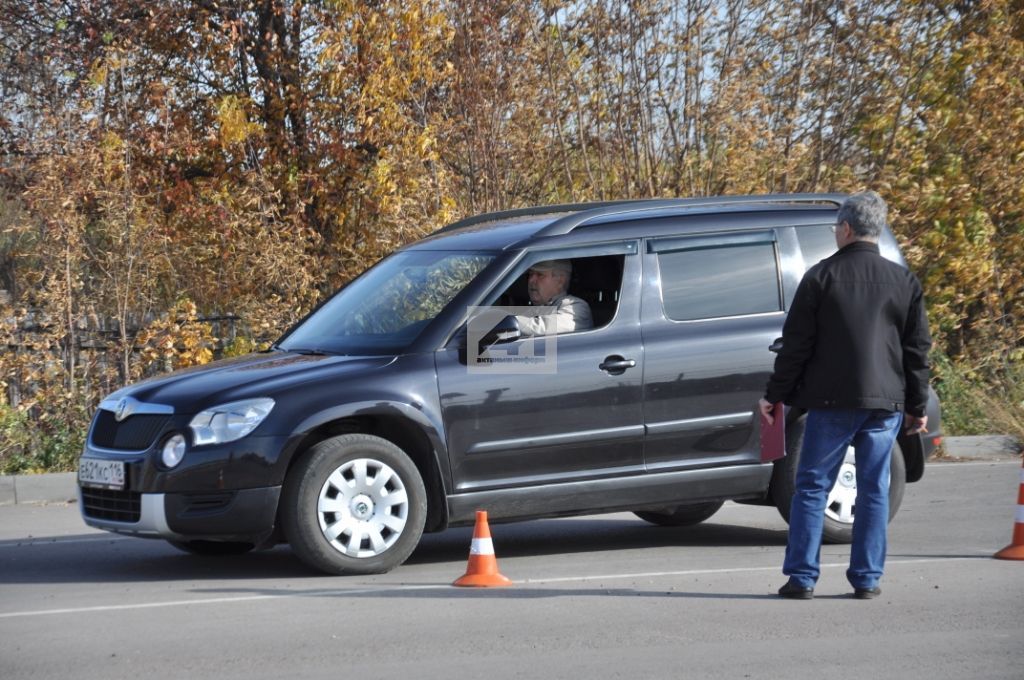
(410, 398)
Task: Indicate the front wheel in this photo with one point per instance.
(354, 504)
(842, 499)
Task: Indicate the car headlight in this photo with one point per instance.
(228, 422)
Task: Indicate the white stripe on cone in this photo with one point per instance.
(1022, 475)
(481, 546)
(1019, 516)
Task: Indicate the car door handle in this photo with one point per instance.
(617, 365)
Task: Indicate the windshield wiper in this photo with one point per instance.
(311, 352)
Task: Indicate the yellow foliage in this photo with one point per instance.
(177, 340)
(233, 120)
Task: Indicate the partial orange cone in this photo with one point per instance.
(1015, 551)
(482, 571)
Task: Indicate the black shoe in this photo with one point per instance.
(793, 591)
(867, 593)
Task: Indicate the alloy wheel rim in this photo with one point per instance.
(363, 508)
(842, 499)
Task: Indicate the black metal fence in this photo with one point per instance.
(97, 350)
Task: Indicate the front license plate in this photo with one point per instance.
(105, 474)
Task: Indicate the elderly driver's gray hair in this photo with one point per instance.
(866, 213)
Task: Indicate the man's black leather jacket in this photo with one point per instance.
(856, 337)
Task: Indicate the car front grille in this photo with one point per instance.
(115, 506)
(134, 433)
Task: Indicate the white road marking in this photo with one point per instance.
(214, 600)
(400, 588)
(735, 570)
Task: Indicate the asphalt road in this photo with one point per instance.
(594, 597)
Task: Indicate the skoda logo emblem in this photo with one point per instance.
(122, 410)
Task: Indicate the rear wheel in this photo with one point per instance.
(354, 504)
(842, 499)
(682, 516)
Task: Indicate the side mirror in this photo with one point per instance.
(507, 330)
(776, 346)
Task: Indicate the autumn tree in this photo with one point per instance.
(163, 163)
(950, 149)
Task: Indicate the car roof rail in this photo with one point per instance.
(580, 213)
(528, 212)
(666, 207)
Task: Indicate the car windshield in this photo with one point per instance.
(384, 310)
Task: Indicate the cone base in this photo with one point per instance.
(483, 581)
(1010, 552)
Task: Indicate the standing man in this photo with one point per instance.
(855, 355)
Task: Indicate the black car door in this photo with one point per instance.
(581, 419)
(712, 306)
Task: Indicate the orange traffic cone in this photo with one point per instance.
(482, 570)
(1015, 551)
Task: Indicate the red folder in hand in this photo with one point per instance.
(773, 437)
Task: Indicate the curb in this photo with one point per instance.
(62, 487)
(979, 447)
(54, 487)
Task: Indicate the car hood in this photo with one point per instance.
(192, 389)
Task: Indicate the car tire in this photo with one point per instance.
(839, 511)
(354, 504)
(213, 548)
(682, 516)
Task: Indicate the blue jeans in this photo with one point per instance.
(827, 435)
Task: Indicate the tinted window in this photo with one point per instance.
(719, 281)
(816, 243)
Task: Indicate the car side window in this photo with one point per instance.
(703, 279)
(816, 243)
(598, 280)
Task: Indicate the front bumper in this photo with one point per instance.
(243, 515)
(221, 492)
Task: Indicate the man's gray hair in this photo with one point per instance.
(866, 213)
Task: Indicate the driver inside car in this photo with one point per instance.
(548, 285)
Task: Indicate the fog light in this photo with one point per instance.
(174, 450)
